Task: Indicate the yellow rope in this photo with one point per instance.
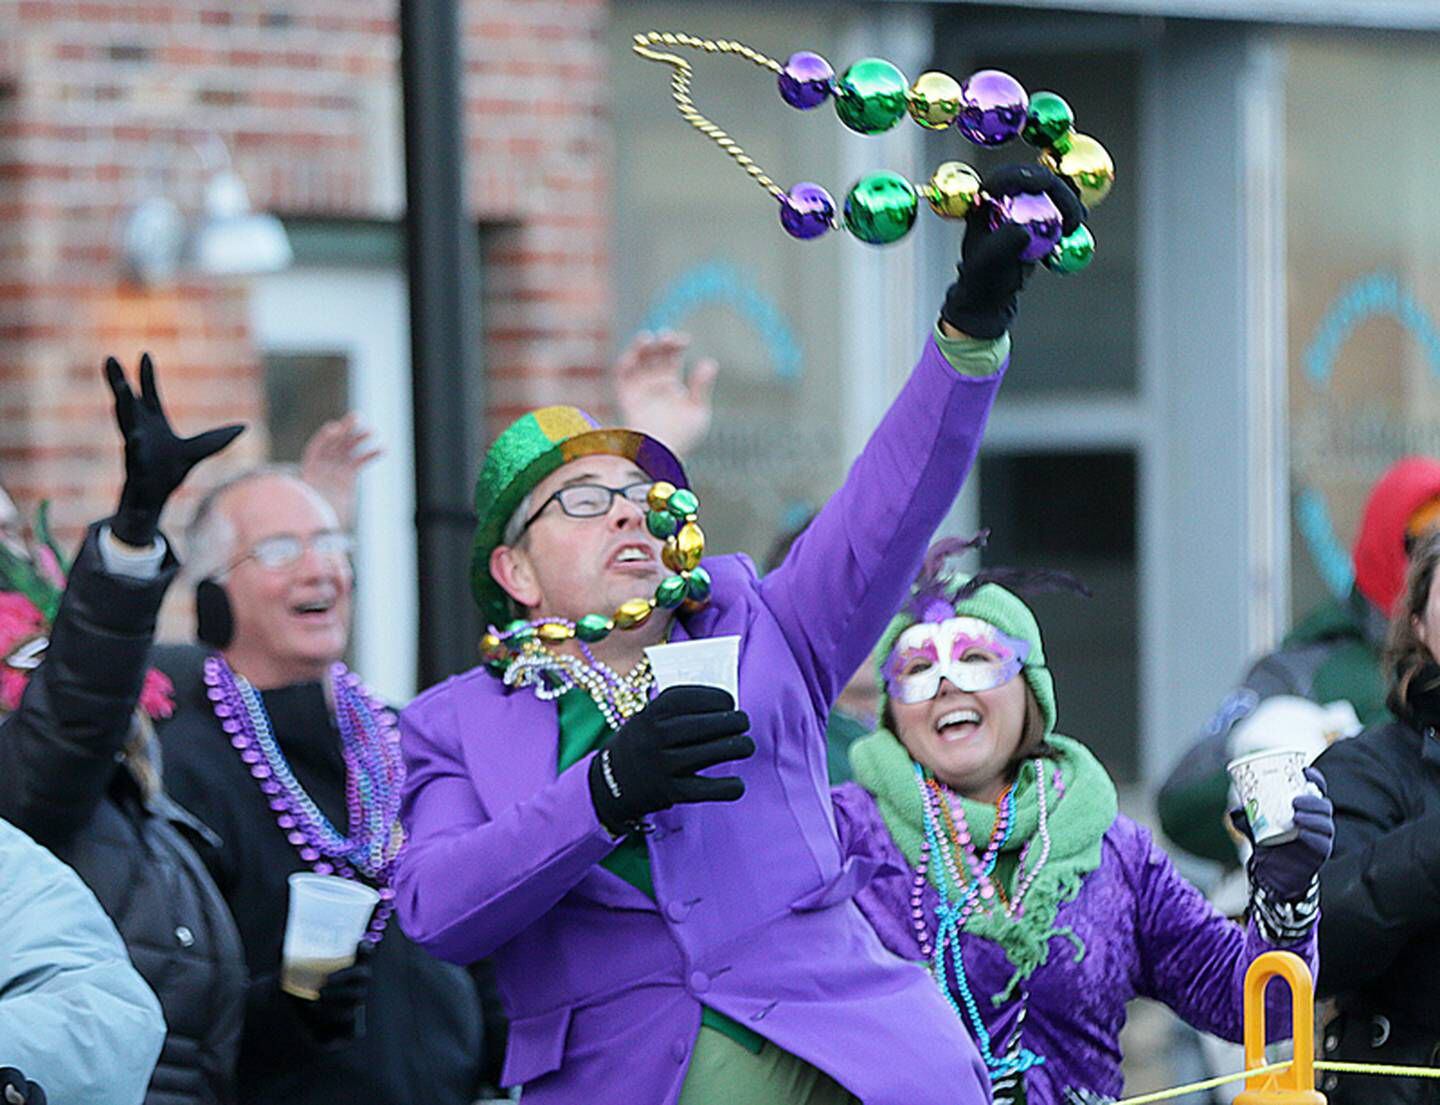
(680, 90)
(1320, 1064)
(1197, 1087)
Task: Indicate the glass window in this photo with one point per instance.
(1076, 511)
(1362, 283)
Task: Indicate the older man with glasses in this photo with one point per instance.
(294, 764)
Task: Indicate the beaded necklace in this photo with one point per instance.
(551, 675)
(947, 834)
(374, 772)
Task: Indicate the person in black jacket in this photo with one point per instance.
(1380, 891)
(284, 753)
(77, 763)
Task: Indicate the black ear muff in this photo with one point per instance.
(214, 622)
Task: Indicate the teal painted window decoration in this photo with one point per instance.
(1378, 294)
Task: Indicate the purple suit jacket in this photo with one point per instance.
(755, 913)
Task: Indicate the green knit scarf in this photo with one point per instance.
(1077, 820)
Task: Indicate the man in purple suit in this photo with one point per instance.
(662, 935)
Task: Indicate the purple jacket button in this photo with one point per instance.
(677, 911)
(699, 982)
(679, 1049)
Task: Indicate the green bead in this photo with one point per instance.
(699, 584)
(671, 592)
(1048, 120)
(593, 627)
(870, 96)
(661, 523)
(683, 504)
(881, 208)
(519, 625)
(1073, 253)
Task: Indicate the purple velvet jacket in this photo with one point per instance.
(755, 913)
(1147, 933)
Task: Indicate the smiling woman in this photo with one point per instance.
(1011, 856)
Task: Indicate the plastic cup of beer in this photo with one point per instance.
(1267, 784)
(327, 919)
(708, 661)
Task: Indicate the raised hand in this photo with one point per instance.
(332, 461)
(156, 460)
(654, 396)
(1286, 870)
(983, 300)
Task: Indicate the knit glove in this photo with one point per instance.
(1285, 871)
(982, 301)
(651, 764)
(156, 460)
(338, 1015)
(16, 1089)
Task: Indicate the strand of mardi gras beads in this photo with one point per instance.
(672, 517)
(989, 108)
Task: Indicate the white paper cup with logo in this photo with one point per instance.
(1267, 784)
(708, 661)
(328, 917)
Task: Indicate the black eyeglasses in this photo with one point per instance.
(590, 500)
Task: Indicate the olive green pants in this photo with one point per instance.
(724, 1073)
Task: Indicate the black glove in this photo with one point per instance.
(651, 763)
(156, 461)
(338, 1015)
(15, 1089)
(982, 301)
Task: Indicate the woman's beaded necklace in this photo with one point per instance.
(374, 773)
(551, 675)
(965, 892)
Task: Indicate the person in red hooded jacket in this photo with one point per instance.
(1332, 654)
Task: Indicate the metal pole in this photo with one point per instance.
(442, 249)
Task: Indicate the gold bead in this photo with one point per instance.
(490, 645)
(690, 544)
(670, 555)
(953, 190)
(1086, 165)
(658, 498)
(934, 100)
(633, 612)
(554, 631)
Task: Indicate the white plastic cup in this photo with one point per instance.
(1267, 784)
(327, 919)
(708, 661)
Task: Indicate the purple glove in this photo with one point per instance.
(1285, 870)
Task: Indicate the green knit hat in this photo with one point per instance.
(990, 603)
(528, 450)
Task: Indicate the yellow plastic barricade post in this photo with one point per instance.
(1296, 1084)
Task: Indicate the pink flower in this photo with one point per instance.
(12, 686)
(20, 621)
(157, 696)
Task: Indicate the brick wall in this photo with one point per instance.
(102, 102)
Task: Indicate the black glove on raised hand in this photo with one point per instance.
(156, 461)
(338, 1015)
(15, 1089)
(651, 763)
(982, 301)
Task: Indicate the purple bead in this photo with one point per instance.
(239, 740)
(250, 756)
(295, 837)
(386, 894)
(279, 805)
(215, 694)
(806, 81)
(993, 107)
(233, 727)
(269, 786)
(1037, 214)
(309, 855)
(259, 771)
(807, 211)
(323, 869)
(285, 821)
